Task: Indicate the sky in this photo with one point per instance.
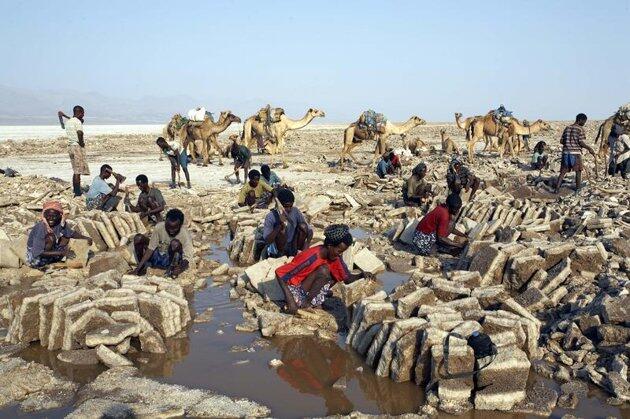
(542, 59)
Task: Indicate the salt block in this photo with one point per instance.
(503, 382)
(459, 359)
(399, 328)
(317, 204)
(374, 352)
(152, 342)
(489, 261)
(410, 229)
(405, 353)
(106, 261)
(8, 258)
(80, 250)
(111, 358)
(368, 262)
(407, 304)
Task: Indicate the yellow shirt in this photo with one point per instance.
(261, 188)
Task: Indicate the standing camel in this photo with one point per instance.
(207, 133)
(483, 129)
(353, 136)
(254, 130)
(515, 131)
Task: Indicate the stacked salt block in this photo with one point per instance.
(540, 274)
(109, 310)
(109, 230)
(422, 326)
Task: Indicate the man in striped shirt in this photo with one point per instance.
(573, 141)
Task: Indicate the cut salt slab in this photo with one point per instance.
(368, 262)
(504, 379)
(111, 358)
(407, 235)
(262, 277)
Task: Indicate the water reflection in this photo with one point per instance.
(313, 365)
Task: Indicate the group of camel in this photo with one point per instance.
(500, 135)
(202, 137)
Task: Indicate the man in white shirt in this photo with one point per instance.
(76, 145)
(101, 195)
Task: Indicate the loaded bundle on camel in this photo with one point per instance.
(201, 135)
(268, 127)
(620, 118)
(374, 126)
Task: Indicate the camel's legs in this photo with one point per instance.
(215, 143)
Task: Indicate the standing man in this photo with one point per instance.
(573, 141)
(76, 145)
(242, 159)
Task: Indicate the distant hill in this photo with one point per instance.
(24, 107)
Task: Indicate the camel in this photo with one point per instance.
(254, 129)
(353, 136)
(412, 144)
(172, 129)
(516, 130)
(207, 133)
(448, 145)
(465, 124)
(483, 128)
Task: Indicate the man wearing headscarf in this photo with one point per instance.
(459, 177)
(416, 190)
(307, 279)
(432, 232)
(285, 231)
(48, 240)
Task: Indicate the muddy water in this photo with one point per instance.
(214, 356)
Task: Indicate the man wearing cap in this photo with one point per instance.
(48, 240)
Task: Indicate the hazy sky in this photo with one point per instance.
(549, 59)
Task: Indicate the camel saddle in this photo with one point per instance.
(269, 115)
(372, 122)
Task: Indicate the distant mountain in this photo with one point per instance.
(25, 107)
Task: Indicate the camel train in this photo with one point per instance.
(267, 128)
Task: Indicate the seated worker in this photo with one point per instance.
(539, 158)
(384, 166)
(255, 193)
(433, 230)
(101, 195)
(242, 159)
(285, 233)
(269, 176)
(48, 240)
(150, 201)
(178, 158)
(394, 160)
(459, 177)
(416, 190)
(307, 279)
(170, 246)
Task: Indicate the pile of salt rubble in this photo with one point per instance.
(103, 317)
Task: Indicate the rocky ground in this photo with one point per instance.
(545, 277)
